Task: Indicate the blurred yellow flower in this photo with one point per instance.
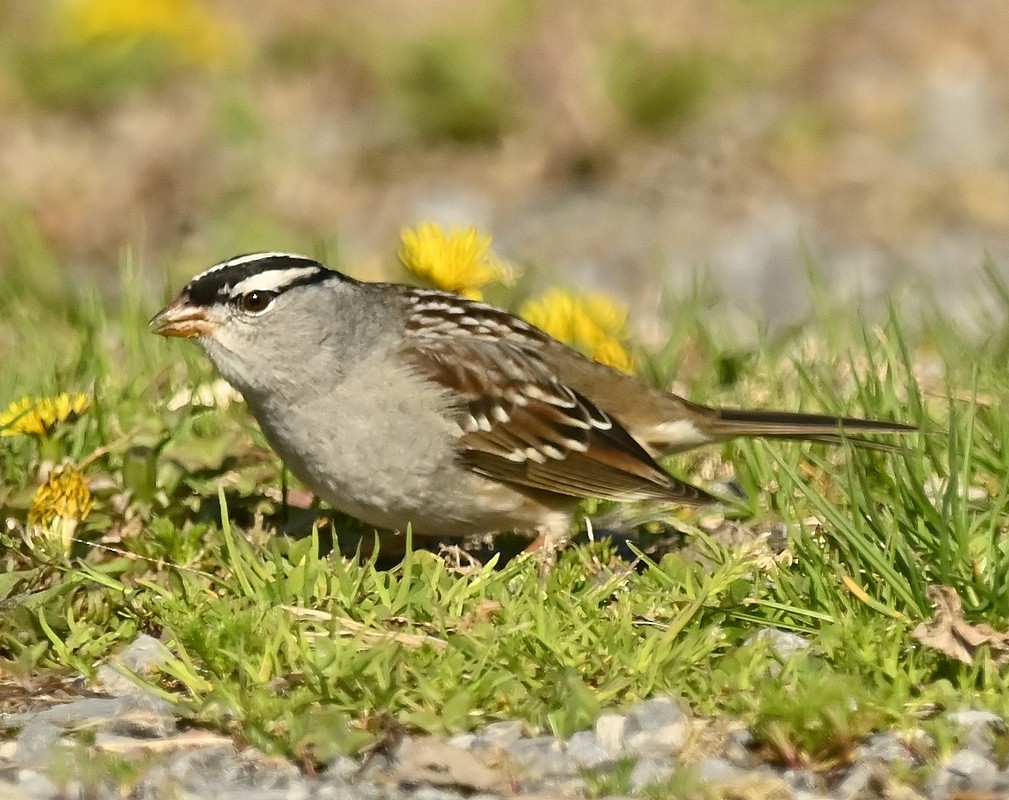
(460, 261)
(65, 495)
(595, 324)
(59, 505)
(38, 416)
(195, 33)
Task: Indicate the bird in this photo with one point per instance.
(413, 408)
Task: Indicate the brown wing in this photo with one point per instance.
(523, 426)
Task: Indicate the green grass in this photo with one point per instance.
(306, 653)
(655, 90)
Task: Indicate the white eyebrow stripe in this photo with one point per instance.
(246, 259)
(270, 281)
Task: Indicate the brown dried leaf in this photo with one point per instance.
(484, 611)
(130, 745)
(949, 633)
(352, 627)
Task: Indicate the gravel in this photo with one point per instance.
(966, 771)
(653, 742)
(585, 750)
(657, 727)
(978, 729)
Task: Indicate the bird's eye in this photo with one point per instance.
(256, 302)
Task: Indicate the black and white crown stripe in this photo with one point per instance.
(251, 258)
(254, 272)
(273, 281)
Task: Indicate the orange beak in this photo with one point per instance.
(182, 320)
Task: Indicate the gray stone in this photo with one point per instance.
(502, 734)
(299, 792)
(525, 751)
(349, 791)
(141, 656)
(375, 767)
(212, 766)
(609, 729)
(964, 771)
(655, 714)
(783, 644)
(971, 718)
(464, 741)
(648, 771)
(432, 793)
(656, 727)
(137, 714)
(856, 782)
(342, 768)
(886, 747)
(35, 784)
(979, 729)
(82, 711)
(335, 789)
(738, 747)
(11, 791)
(713, 769)
(143, 715)
(585, 750)
(802, 780)
(35, 743)
(207, 769)
(541, 757)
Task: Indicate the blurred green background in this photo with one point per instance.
(614, 143)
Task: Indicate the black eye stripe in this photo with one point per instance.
(218, 284)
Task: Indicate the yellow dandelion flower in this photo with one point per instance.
(195, 34)
(460, 261)
(595, 324)
(65, 495)
(38, 416)
(613, 353)
(59, 505)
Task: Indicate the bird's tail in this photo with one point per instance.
(727, 423)
(704, 425)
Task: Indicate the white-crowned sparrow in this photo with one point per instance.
(405, 406)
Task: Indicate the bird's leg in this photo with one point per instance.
(552, 534)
